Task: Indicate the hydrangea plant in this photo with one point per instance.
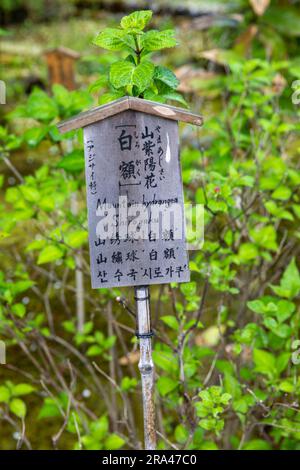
(135, 74)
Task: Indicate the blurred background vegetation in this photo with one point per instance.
(226, 345)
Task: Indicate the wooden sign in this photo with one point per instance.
(134, 192)
(60, 62)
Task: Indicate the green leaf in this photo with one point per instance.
(30, 193)
(165, 360)
(40, 106)
(283, 361)
(4, 394)
(142, 75)
(174, 96)
(35, 135)
(99, 428)
(124, 73)
(114, 442)
(286, 386)
(73, 162)
(265, 362)
(18, 407)
(69, 326)
(247, 252)
(110, 96)
(49, 409)
(154, 40)
(284, 310)
(76, 239)
(166, 385)
(265, 237)
(114, 40)
(181, 434)
(88, 327)
(290, 282)
(100, 83)
(171, 321)
(90, 443)
(62, 96)
(282, 193)
(166, 76)
(257, 444)
(128, 383)
(22, 389)
(49, 254)
(136, 21)
(121, 73)
(94, 350)
(284, 20)
(19, 310)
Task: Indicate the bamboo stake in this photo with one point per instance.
(146, 365)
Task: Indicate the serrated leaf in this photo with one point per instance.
(100, 83)
(113, 39)
(156, 40)
(124, 73)
(137, 20)
(121, 73)
(174, 96)
(110, 96)
(166, 76)
(142, 75)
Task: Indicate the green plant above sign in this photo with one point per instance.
(136, 74)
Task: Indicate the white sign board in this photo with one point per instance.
(135, 201)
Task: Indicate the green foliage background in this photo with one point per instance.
(227, 343)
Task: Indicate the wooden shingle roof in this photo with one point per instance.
(123, 104)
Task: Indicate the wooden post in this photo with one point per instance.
(60, 62)
(146, 366)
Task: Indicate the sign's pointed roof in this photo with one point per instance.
(63, 51)
(123, 104)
